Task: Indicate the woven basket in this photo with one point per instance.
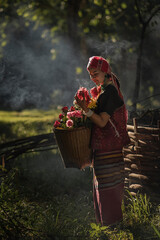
(74, 146)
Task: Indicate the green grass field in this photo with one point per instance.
(26, 123)
(40, 199)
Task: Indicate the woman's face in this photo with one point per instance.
(97, 76)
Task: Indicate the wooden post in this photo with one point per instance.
(3, 162)
(158, 123)
(138, 149)
(135, 130)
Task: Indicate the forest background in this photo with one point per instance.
(45, 47)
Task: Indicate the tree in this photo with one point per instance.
(146, 11)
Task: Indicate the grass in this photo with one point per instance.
(61, 199)
(26, 123)
(40, 199)
(28, 116)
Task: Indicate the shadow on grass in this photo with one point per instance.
(45, 176)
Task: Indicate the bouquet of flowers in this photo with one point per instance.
(74, 117)
(72, 131)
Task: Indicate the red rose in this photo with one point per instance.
(83, 92)
(61, 116)
(72, 109)
(99, 89)
(80, 94)
(65, 109)
(88, 99)
(95, 91)
(57, 124)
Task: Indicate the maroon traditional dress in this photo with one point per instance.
(108, 165)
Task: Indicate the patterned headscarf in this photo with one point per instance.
(101, 64)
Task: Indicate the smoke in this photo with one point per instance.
(110, 49)
(37, 72)
(18, 96)
(31, 77)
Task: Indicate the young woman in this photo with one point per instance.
(109, 136)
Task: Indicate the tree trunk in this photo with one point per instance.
(139, 70)
(72, 21)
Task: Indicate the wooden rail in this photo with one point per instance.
(142, 159)
(13, 149)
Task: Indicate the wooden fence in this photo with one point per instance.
(142, 160)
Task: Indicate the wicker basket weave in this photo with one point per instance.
(74, 146)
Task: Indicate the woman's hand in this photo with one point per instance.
(99, 119)
(82, 103)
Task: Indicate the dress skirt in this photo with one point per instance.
(108, 186)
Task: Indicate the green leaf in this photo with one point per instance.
(94, 226)
(156, 230)
(123, 5)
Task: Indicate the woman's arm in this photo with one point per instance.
(99, 119)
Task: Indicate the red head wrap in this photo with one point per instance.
(102, 64)
(99, 63)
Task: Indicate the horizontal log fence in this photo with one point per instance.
(142, 160)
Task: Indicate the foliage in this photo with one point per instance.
(156, 231)
(156, 221)
(79, 19)
(17, 216)
(139, 209)
(103, 232)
